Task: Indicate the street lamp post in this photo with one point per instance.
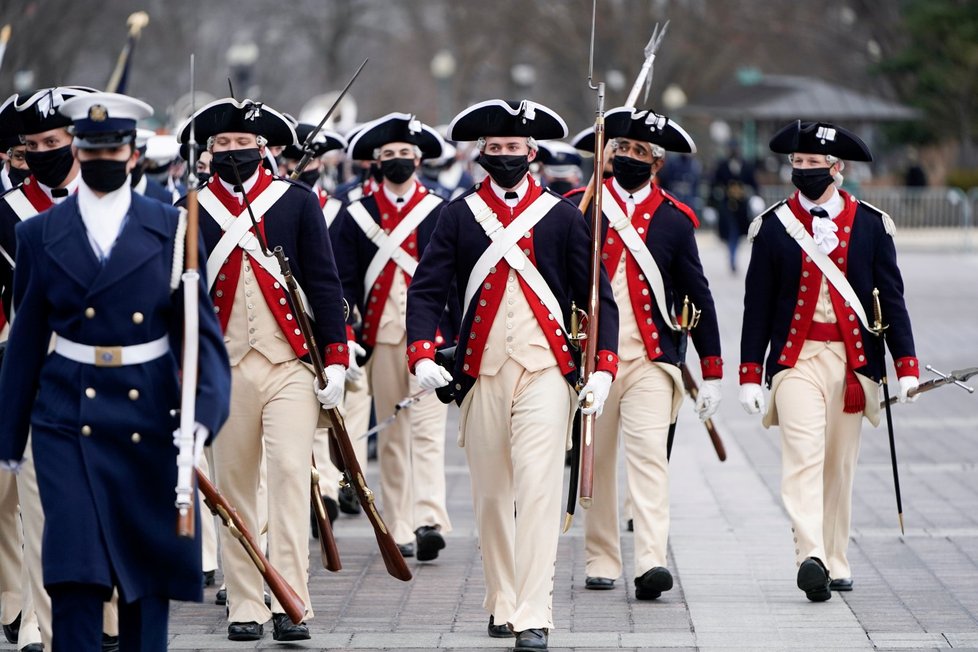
(443, 69)
(241, 58)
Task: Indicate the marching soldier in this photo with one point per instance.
(815, 262)
(142, 183)
(560, 166)
(96, 273)
(513, 374)
(274, 410)
(356, 400)
(380, 239)
(649, 251)
(14, 168)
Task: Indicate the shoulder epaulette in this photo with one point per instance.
(683, 208)
(756, 223)
(888, 224)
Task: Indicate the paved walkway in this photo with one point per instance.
(730, 546)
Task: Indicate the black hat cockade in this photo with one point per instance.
(325, 141)
(229, 115)
(395, 128)
(820, 138)
(507, 118)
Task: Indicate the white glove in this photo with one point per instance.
(201, 433)
(708, 399)
(752, 398)
(11, 465)
(431, 375)
(598, 385)
(331, 395)
(908, 384)
(354, 373)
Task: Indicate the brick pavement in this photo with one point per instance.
(730, 548)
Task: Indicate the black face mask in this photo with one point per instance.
(812, 182)
(51, 167)
(631, 173)
(505, 169)
(247, 161)
(561, 187)
(309, 178)
(397, 170)
(607, 174)
(104, 175)
(17, 176)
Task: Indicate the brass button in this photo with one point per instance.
(90, 312)
(86, 431)
(136, 438)
(137, 318)
(133, 394)
(90, 392)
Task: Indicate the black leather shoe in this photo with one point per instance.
(12, 631)
(209, 578)
(841, 584)
(407, 549)
(599, 583)
(813, 579)
(499, 631)
(631, 525)
(222, 596)
(110, 643)
(652, 583)
(430, 541)
(349, 503)
(245, 631)
(530, 640)
(34, 647)
(284, 629)
(268, 600)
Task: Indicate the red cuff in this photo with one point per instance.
(607, 361)
(712, 367)
(336, 353)
(750, 373)
(418, 351)
(908, 366)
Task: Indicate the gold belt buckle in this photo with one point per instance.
(108, 356)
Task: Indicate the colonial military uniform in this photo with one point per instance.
(650, 253)
(513, 371)
(822, 364)
(99, 407)
(274, 411)
(381, 238)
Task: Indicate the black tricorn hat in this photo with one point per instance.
(9, 124)
(395, 128)
(583, 141)
(556, 153)
(185, 151)
(325, 141)
(38, 112)
(820, 138)
(247, 116)
(648, 127)
(507, 118)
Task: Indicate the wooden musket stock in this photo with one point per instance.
(328, 552)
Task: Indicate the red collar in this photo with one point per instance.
(501, 209)
(231, 201)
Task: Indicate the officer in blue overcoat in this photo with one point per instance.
(92, 372)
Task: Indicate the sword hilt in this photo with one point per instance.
(878, 326)
(949, 378)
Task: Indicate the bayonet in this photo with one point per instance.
(957, 377)
(645, 74)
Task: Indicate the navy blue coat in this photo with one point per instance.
(108, 495)
(774, 276)
(562, 246)
(354, 251)
(156, 190)
(296, 224)
(672, 241)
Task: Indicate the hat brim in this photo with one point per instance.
(326, 141)
(648, 127)
(395, 128)
(230, 116)
(507, 118)
(820, 138)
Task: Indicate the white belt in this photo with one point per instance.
(112, 356)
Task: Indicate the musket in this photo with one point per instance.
(689, 317)
(285, 594)
(644, 76)
(189, 446)
(589, 355)
(345, 457)
(117, 82)
(957, 377)
(329, 554)
(307, 151)
(878, 328)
